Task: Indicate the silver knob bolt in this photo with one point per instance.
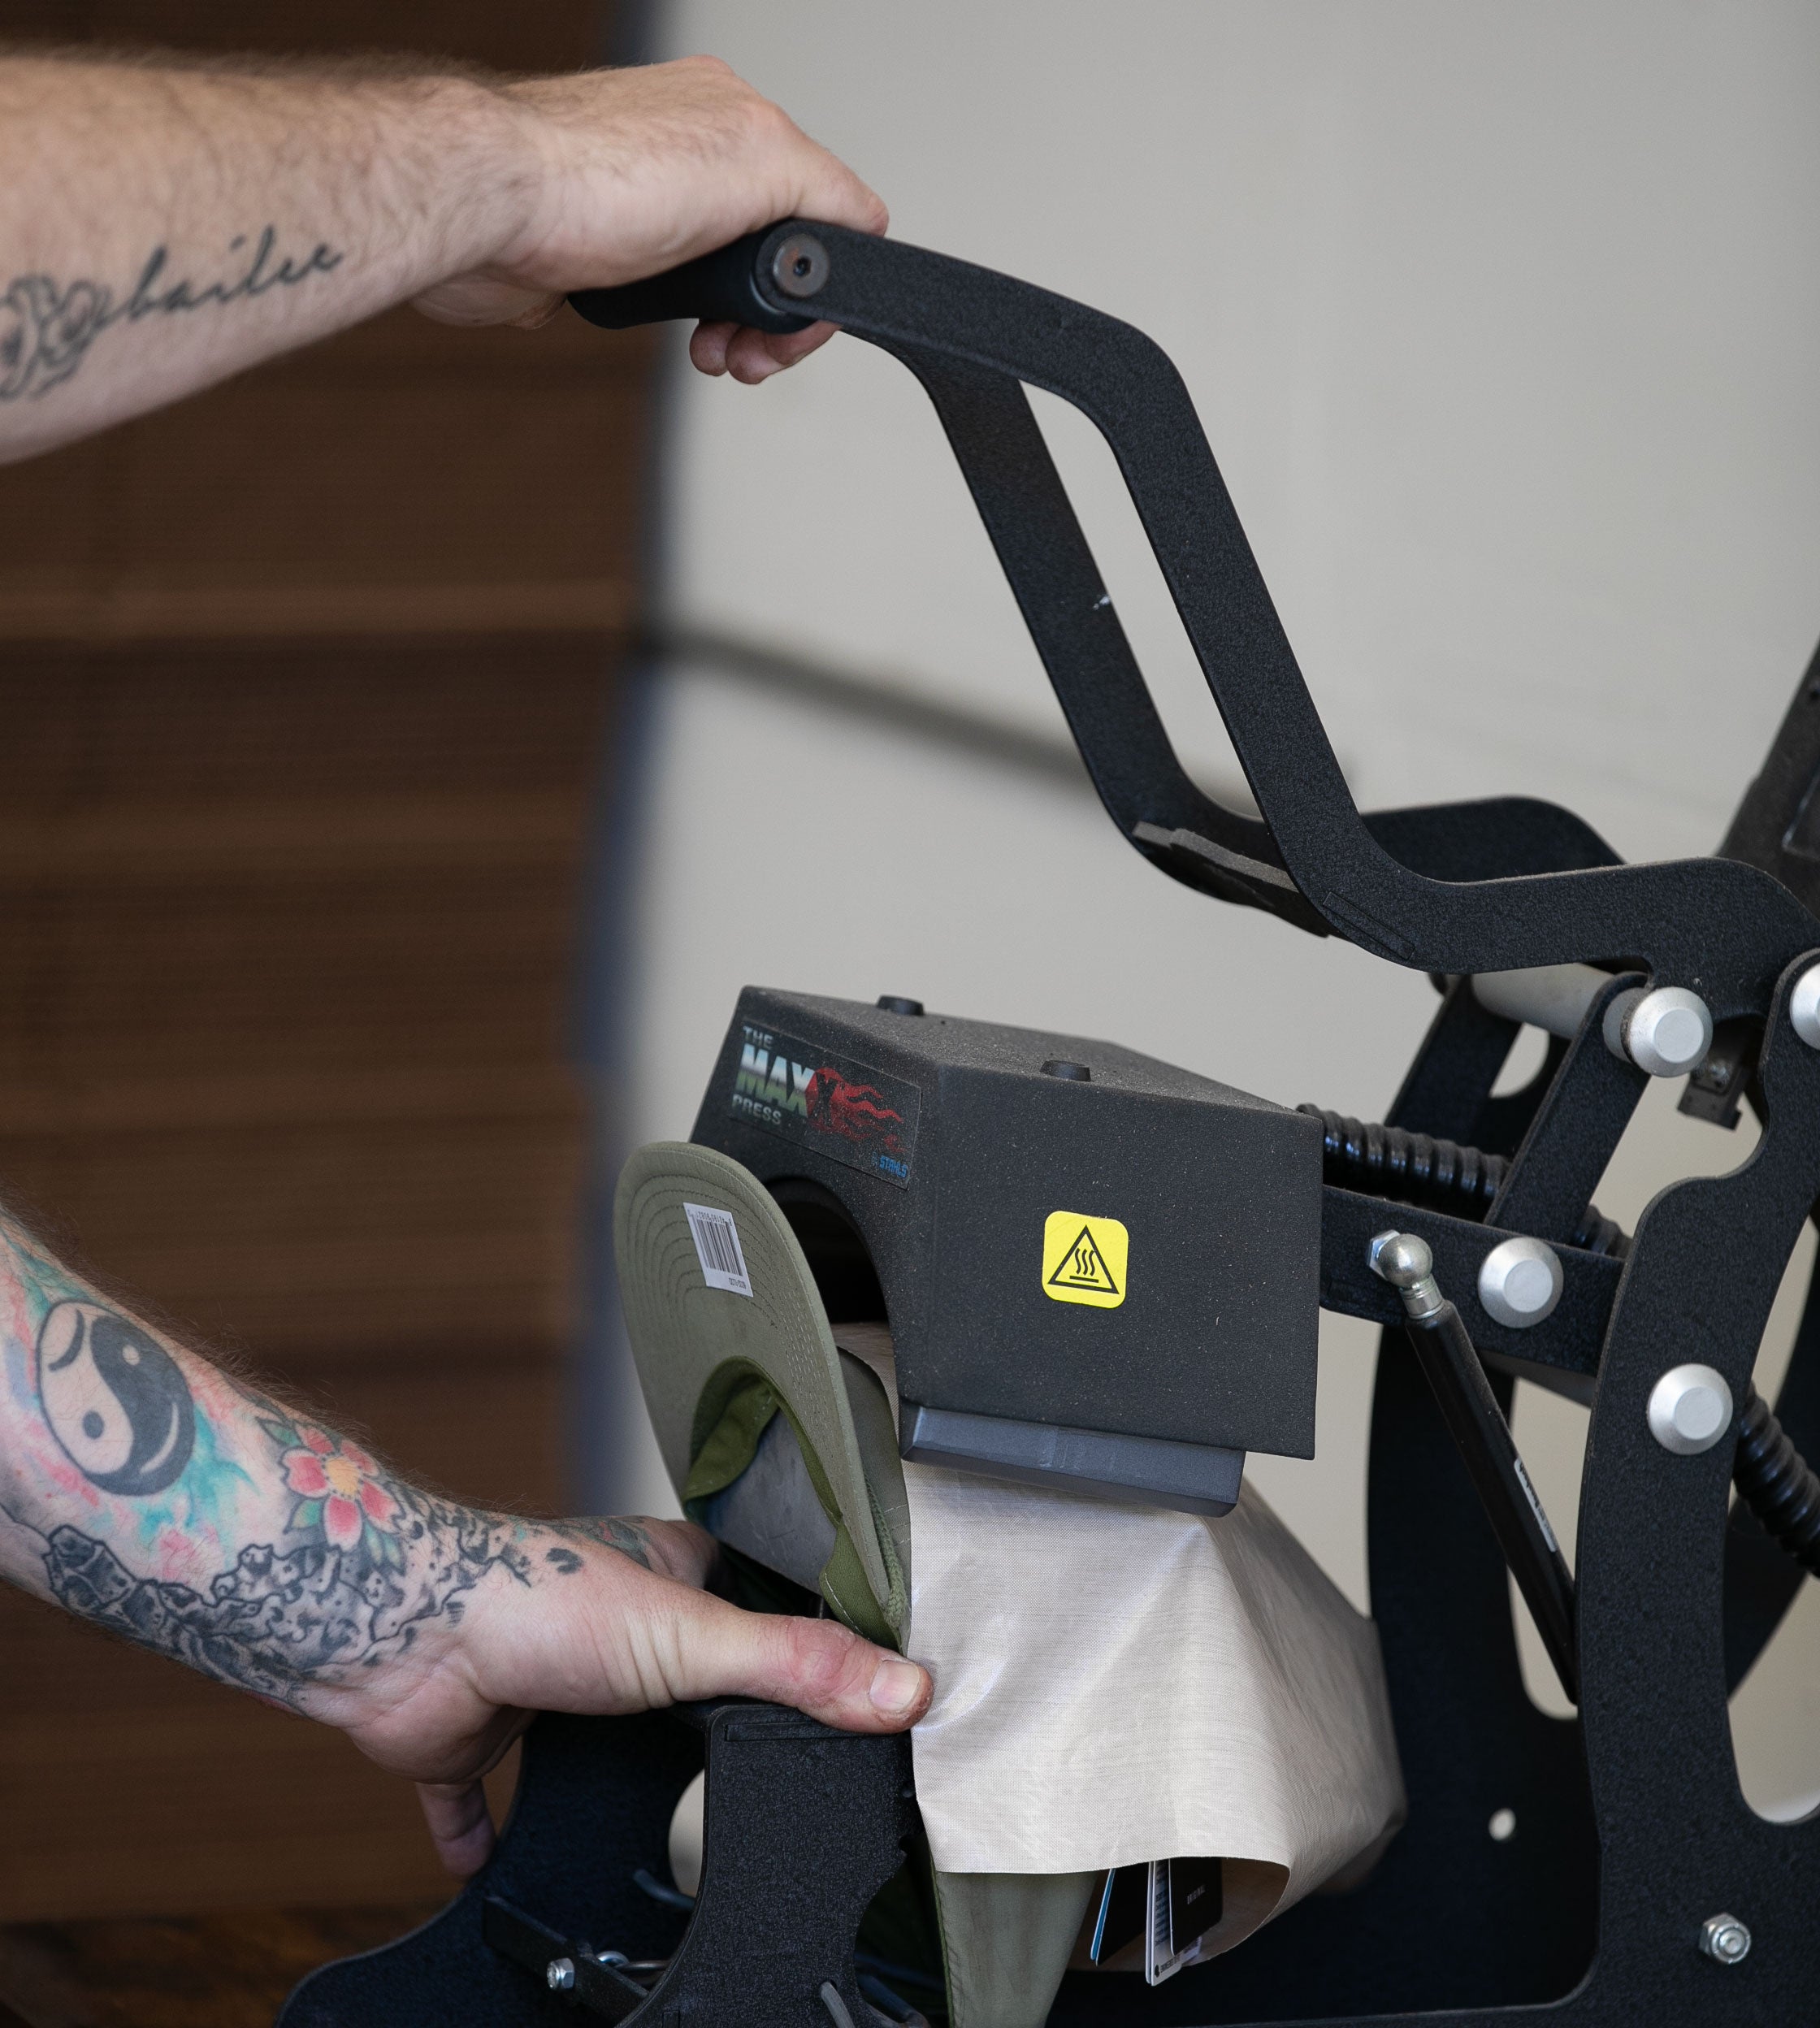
(560, 1975)
(1666, 1031)
(1520, 1282)
(1725, 1938)
(1690, 1409)
(1804, 1007)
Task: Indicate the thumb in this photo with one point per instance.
(460, 1826)
(816, 1666)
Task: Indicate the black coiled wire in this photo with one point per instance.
(1775, 1484)
(1412, 1167)
(1421, 1169)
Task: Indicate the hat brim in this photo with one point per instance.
(688, 1338)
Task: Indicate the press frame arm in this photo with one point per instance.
(1724, 925)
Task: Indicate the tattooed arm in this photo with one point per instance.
(150, 1491)
(164, 224)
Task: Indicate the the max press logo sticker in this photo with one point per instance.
(842, 1109)
(1085, 1260)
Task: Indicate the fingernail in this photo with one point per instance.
(896, 1685)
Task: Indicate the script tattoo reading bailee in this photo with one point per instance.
(46, 327)
(271, 1554)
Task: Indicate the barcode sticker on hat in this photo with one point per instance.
(717, 1237)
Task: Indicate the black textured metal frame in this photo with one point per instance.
(1632, 1830)
(802, 1827)
(1455, 889)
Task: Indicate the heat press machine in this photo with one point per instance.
(1103, 1272)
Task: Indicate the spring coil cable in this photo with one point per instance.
(1410, 1167)
(1775, 1483)
(1421, 1169)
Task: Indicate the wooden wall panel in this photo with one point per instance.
(283, 1035)
(552, 35)
(289, 1057)
(305, 692)
(437, 518)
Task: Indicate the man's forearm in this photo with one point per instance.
(162, 227)
(164, 224)
(148, 1490)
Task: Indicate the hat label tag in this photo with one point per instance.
(717, 1238)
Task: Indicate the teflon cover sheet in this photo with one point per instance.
(1115, 1683)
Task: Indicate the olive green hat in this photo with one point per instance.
(728, 1329)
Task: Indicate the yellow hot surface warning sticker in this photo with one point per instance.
(1083, 1259)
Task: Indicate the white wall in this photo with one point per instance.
(1502, 323)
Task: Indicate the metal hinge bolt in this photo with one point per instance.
(1690, 1409)
(1725, 1938)
(1520, 1282)
(1666, 1031)
(560, 1975)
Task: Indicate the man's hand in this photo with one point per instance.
(638, 171)
(149, 1491)
(613, 1633)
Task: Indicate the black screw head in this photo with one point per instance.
(895, 1003)
(1060, 1066)
(800, 267)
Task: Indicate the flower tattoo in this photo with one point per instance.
(341, 1499)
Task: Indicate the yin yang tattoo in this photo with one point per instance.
(114, 1400)
(308, 1603)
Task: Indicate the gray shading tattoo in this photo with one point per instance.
(367, 1561)
(608, 1530)
(114, 1400)
(279, 1620)
(46, 327)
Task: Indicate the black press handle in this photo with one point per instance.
(722, 287)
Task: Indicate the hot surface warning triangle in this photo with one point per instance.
(1083, 1259)
(1084, 1267)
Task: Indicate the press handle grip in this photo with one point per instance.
(721, 287)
